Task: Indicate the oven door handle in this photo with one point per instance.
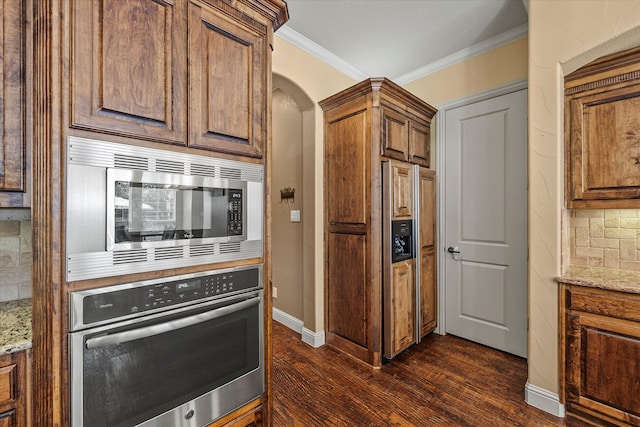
(161, 328)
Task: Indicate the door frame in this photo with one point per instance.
(441, 185)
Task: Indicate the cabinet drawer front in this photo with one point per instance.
(7, 383)
(606, 303)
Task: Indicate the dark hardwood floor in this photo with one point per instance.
(443, 381)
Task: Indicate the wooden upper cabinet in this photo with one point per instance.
(128, 68)
(402, 190)
(406, 128)
(227, 82)
(602, 133)
(420, 144)
(395, 143)
(14, 121)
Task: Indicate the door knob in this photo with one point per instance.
(453, 250)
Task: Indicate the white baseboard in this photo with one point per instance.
(287, 320)
(544, 400)
(314, 339)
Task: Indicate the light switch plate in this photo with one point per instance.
(295, 215)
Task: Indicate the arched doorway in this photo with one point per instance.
(293, 241)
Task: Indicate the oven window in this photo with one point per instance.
(128, 383)
(148, 212)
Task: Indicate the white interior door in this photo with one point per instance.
(485, 205)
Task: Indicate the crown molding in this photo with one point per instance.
(319, 52)
(465, 54)
(341, 65)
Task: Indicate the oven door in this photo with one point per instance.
(184, 367)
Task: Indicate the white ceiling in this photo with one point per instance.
(401, 39)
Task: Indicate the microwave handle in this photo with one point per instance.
(161, 328)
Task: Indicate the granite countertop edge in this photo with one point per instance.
(16, 329)
(603, 278)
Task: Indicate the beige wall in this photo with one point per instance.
(503, 65)
(318, 81)
(286, 236)
(563, 35)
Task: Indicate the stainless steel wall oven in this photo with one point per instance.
(177, 351)
(132, 209)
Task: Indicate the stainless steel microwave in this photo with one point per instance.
(133, 209)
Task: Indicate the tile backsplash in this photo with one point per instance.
(607, 238)
(15, 255)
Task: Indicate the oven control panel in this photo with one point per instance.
(107, 304)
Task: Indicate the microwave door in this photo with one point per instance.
(218, 213)
(184, 203)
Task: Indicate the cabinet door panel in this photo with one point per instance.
(128, 68)
(419, 144)
(428, 303)
(611, 356)
(402, 190)
(427, 189)
(394, 134)
(403, 303)
(345, 169)
(427, 252)
(605, 156)
(348, 291)
(227, 84)
(13, 104)
(602, 367)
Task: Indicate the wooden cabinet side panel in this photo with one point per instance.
(347, 288)
(128, 68)
(419, 144)
(402, 190)
(13, 102)
(227, 84)
(346, 169)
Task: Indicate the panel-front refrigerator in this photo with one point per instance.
(408, 255)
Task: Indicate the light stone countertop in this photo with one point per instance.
(603, 278)
(15, 326)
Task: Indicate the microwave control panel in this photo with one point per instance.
(235, 212)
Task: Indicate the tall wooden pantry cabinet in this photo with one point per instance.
(372, 122)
